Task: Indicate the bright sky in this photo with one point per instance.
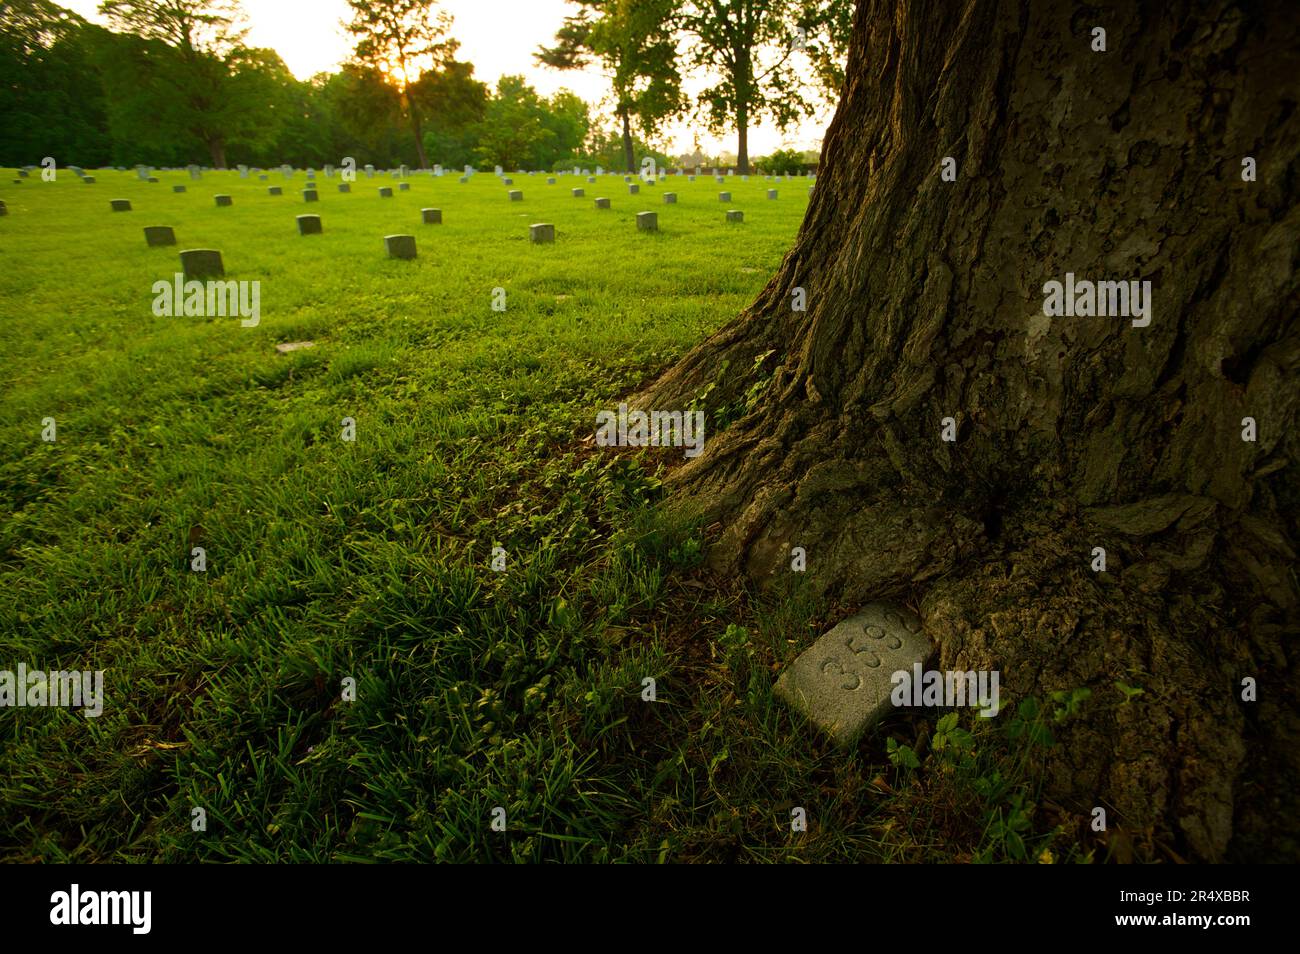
(497, 36)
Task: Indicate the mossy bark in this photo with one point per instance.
(925, 302)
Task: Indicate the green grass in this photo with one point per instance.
(371, 560)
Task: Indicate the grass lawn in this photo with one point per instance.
(371, 559)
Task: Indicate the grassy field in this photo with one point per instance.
(371, 559)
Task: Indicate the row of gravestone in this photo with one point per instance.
(310, 195)
(207, 263)
(156, 235)
(200, 263)
(145, 172)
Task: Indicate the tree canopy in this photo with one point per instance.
(172, 82)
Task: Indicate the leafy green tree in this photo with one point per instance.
(565, 117)
(511, 131)
(182, 72)
(633, 40)
(754, 48)
(402, 39)
(783, 162)
(300, 127)
(521, 130)
(455, 103)
(367, 114)
(51, 90)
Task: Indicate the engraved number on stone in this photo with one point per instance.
(871, 658)
(834, 663)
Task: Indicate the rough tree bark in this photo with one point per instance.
(925, 301)
(629, 155)
(217, 150)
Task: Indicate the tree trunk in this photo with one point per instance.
(742, 145)
(418, 129)
(925, 301)
(629, 156)
(217, 149)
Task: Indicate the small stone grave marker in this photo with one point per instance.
(771, 193)
(670, 198)
(309, 225)
(579, 193)
(735, 215)
(431, 216)
(200, 263)
(404, 187)
(541, 233)
(178, 189)
(602, 203)
(516, 195)
(724, 196)
(120, 205)
(633, 189)
(385, 192)
(647, 221)
(345, 187)
(400, 246)
(274, 190)
(309, 195)
(224, 200)
(89, 180)
(285, 347)
(843, 682)
(156, 235)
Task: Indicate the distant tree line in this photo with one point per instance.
(172, 83)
